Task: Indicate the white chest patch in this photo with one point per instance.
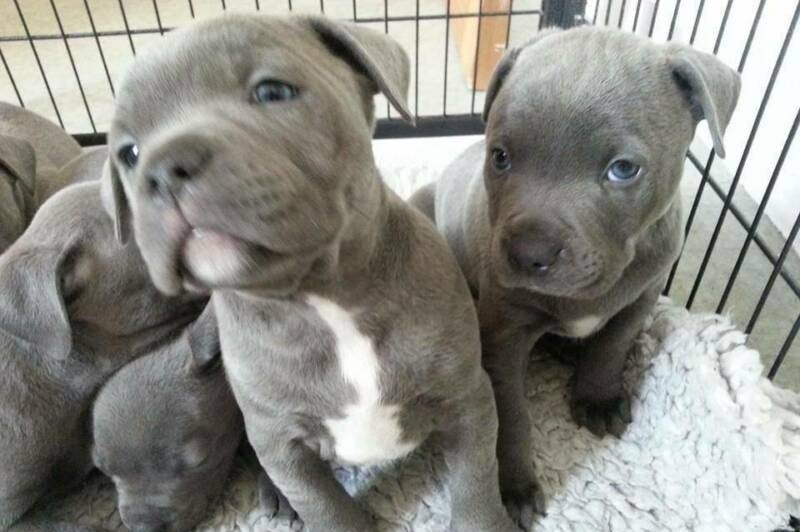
(369, 432)
(583, 327)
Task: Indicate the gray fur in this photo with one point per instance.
(291, 207)
(84, 168)
(564, 107)
(32, 149)
(74, 307)
(166, 431)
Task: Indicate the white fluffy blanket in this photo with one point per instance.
(713, 447)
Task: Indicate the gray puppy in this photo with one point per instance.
(166, 430)
(348, 331)
(74, 307)
(32, 149)
(566, 218)
(86, 167)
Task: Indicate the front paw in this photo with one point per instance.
(608, 416)
(275, 505)
(523, 502)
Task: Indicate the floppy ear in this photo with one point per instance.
(499, 75)
(33, 285)
(503, 68)
(711, 88)
(115, 202)
(204, 342)
(18, 158)
(372, 54)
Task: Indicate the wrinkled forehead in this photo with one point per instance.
(213, 60)
(140, 432)
(595, 87)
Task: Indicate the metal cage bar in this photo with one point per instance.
(661, 19)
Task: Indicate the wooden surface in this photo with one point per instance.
(486, 50)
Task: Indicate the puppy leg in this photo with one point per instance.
(470, 454)
(309, 485)
(506, 353)
(424, 199)
(599, 402)
(274, 503)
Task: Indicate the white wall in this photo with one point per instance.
(783, 104)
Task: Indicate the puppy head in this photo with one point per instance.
(67, 271)
(240, 147)
(166, 430)
(17, 188)
(46, 271)
(587, 131)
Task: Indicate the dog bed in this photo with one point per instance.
(713, 447)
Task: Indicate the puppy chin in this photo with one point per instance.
(214, 259)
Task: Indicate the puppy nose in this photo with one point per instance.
(175, 165)
(533, 255)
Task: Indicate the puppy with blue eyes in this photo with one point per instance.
(566, 219)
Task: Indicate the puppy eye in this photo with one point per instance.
(129, 155)
(500, 159)
(623, 171)
(271, 90)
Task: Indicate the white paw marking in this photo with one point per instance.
(583, 327)
(369, 432)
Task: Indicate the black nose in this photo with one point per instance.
(533, 255)
(177, 163)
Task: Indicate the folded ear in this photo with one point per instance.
(372, 54)
(504, 67)
(711, 88)
(34, 285)
(115, 202)
(204, 342)
(18, 158)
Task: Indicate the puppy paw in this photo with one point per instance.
(610, 416)
(275, 505)
(523, 503)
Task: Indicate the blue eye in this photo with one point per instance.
(271, 90)
(501, 159)
(622, 171)
(129, 155)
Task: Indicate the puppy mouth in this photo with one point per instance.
(207, 258)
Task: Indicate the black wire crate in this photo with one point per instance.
(64, 59)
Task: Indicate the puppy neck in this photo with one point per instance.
(367, 204)
(360, 237)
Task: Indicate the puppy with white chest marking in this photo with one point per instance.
(166, 429)
(32, 149)
(566, 219)
(348, 332)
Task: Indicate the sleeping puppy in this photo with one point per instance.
(566, 219)
(166, 430)
(32, 149)
(74, 307)
(348, 332)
